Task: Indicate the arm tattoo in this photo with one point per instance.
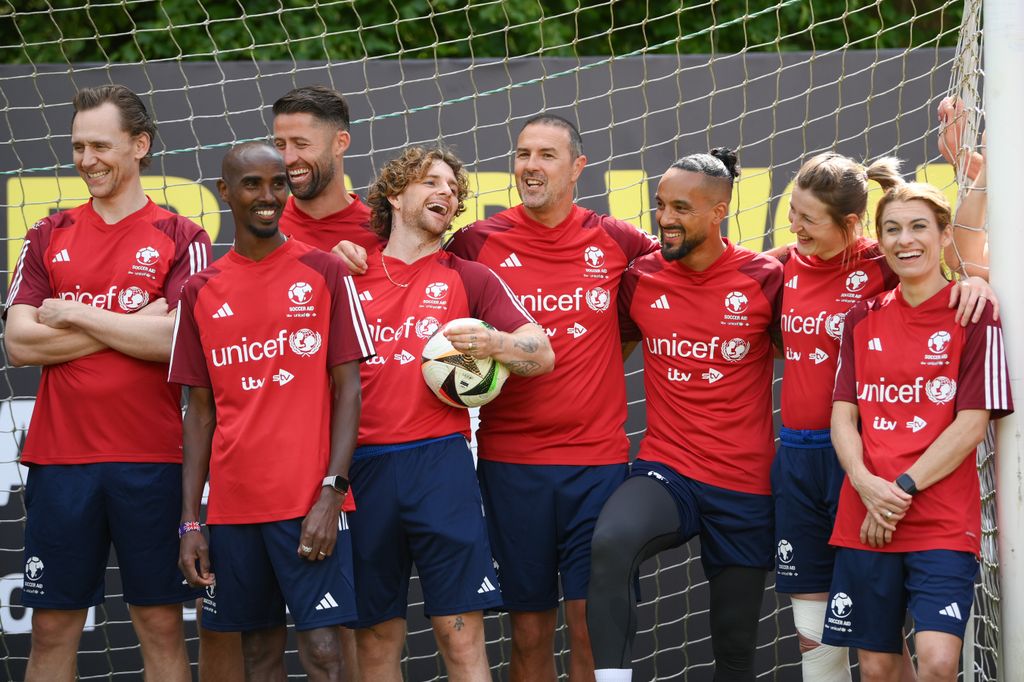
(528, 344)
(523, 368)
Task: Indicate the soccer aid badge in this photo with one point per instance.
(840, 608)
(32, 583)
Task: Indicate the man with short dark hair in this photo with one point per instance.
(311, 130)
(254, 363)
(705, 310)
(92, 301)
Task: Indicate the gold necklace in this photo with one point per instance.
(388, 275)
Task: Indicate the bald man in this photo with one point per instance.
(272, 328)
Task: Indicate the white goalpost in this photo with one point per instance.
(646, 82)
(1004, 102)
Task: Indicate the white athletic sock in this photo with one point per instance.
(614, 675)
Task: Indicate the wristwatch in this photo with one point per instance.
(906, 484)
(339, 483)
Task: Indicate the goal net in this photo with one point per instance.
(647, 82)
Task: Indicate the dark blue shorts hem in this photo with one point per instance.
(466, 608)
(854, 643)
(362, 623)
(789, 587)
(345, 619)
(236, 627)
(28, 602)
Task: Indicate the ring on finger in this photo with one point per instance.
(888, 513)
(323, 554)
(306, 549)
(472, 346)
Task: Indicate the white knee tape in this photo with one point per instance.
(809, 618)
(824, 663)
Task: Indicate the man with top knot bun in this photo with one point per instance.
(704, 310)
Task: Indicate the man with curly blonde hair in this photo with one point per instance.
(412, 471)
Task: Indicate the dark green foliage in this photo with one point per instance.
(341, 30)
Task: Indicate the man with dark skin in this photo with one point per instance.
(278, 535)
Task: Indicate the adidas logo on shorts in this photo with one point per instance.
(486, 586)
(327, 603)
(953, 611)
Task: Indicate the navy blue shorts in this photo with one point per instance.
(259, 572)
(735, 528)
(541, 518)
(76, 511)
(420, 503)
(806, 479)
(872, 591)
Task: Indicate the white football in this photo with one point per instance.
(460, 380)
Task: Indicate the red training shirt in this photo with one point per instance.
(107, 406)
(568, 278)
(398, 406)
(909, 370)
(707, 364)
(817, 295)
(263, 336)
(351, 223)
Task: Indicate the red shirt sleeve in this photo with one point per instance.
(633, 241)
(846, 370)
(350, 336)
(628, 329)
(193, 252)
(983, 381)
(490, 299)
(188, 360)
(31, 282)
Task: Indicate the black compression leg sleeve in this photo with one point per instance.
(639, 520)
(736, 595)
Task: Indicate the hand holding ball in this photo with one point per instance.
(460, 371)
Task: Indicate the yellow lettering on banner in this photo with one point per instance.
(748, 209)
(487, 189)
(629, 198)
(31, 199)
(943, 176)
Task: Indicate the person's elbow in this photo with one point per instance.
(21, 352)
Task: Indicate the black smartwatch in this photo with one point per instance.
(906, 484)
(339, 483)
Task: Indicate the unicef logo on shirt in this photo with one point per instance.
(834, 325)
(736, 349)
(841, 605)
(426, 327)
(304, 342)
(856, 280)
(300, 293)
(132, 299)
(940, 390)
(147, 255)
(598, 299)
